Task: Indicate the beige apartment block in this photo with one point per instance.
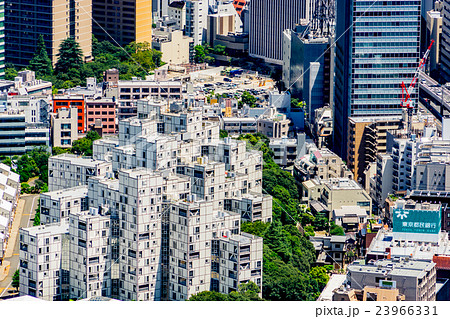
(175, 47)
(80, 28)
(64, 127)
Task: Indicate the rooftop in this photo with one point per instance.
(336, 280)
(77, 160)
(402, 267)
(342, 183)
(78, 191)
(350, 210)
(418, 249)
(49, 229)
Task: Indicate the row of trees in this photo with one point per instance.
(136, 59)
(202, 52)
(245, 292)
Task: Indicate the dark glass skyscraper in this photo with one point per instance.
(378, 47)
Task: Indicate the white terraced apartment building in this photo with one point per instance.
(174, 199)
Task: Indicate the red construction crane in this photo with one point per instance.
(406, 92)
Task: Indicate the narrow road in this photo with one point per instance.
(26, 220)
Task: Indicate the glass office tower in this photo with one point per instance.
(378, 47)
(2, 39)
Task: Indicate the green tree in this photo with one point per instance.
(309, 231)
(7, 161)
(336, 230)
(209, 296)
(10, 73)
(219, 49)
(321, 222)
(24, 188)
(320, 275)
(37, 216)
(84, 146)
(93, 135)
(257, 228)
(16, 280)
(40, 157)
(59, 150)
(223, 134)
(70, 56)
(199, 54)
(26, 168)
(246, 292)
(41, 63)
(248, 99)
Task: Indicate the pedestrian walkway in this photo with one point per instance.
(14, 232)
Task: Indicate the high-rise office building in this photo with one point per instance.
(2, 40)
(55, 20)
(196, 20)
(378, 47)
(268, 20)
(308, 68)
(445, 40)
(125, 22)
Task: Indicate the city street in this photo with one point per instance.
(25, 219)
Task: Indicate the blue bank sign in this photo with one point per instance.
(417, 221)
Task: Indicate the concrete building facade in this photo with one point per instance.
(268, 20)
(368, 59)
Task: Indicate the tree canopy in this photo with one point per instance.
(41, 63)
(70, 57)
(249, 99)
(84, 146)
(16, 280)
(135, 60)
(246, 292)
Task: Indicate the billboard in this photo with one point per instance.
(416, 221)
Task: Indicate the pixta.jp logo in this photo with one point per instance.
(402, 214)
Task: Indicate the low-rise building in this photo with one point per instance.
(25, 83)
(236, 126)
(174, 46)
(350, 217)
(273, 124)
(320, 163)
(323, 127)
(367, 138)
(68, 101)
(103, 109)
(414, 279)
(64, 126)
(368, 293)
(284, 150)
(18, 136)
(128, 92)
(330, 250)
(335, 193)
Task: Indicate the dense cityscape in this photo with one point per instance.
(225, 150)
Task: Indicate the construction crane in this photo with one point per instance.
(406, 92)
